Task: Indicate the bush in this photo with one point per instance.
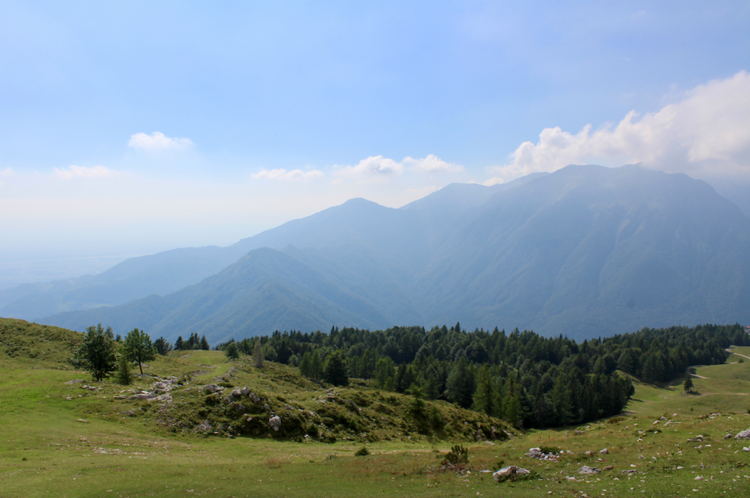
(362, 452)
(457, 455)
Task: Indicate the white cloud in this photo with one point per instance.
(380, 168)
(73, 171)
(6, 172)
(432, 164)
(157, 141)
(284, 175)
(707, 133)
(373, 166)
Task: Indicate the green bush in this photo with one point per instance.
(363, 451)
(457, 455)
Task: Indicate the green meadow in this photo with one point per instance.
(61, 439)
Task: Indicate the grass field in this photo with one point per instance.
(58, 439)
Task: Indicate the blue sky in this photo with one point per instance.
(141, 126)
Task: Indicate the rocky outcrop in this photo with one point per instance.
(510, 472)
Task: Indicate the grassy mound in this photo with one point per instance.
(32, 345)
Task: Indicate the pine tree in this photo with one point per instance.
(335, 371)
(97, 352)
(123, 375)
(688, 384)
(511, 404)
(179, 345)
(162, 346)
(232, 352)
(484, 397)
(258, 355)
(460, 388)
(384, 373)
(204, 344)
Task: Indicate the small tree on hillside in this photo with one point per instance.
(232, 351)
(688, 384)
(162, 346)
(336, 372)
(123, 375)
(138, 347)
(97, 352)
(204, 344)
(258, 355)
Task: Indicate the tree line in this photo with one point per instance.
(102, 353)
(522, 377)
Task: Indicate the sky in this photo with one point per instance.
(134, 127)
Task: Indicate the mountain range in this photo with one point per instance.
(585, 251)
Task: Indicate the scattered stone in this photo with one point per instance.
(84, 421)
(100, 450)
(539, 455)
(75, 381)
(728, 436)
(213, 388)
(509, 472)
(204, 426)
(605, 451)
(641, 457)
(130, 413)
(275, 422)
(588, 470)
(630, 472)
(743, 435)
(608, 467)
(746, 449)
(699, 478)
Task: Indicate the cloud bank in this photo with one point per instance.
(284, 175)
(706, 134)
(157, 141)
(73, 171)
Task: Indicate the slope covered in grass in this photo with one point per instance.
(60, 439)
(38, 346)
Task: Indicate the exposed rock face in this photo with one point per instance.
(203, 426)
(275, 422)
(213, 388)
(743, 435)
(509, 472)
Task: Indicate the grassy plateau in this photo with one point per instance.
(79, 439)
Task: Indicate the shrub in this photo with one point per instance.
(363, 451)
(457, 455)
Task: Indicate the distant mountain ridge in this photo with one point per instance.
(584, 251)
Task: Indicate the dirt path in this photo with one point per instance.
(694, 374)
(738, 354)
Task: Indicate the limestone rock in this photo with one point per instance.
(275, 422)
(588, 470)
(509, 472)
(743, 435)
(213, 388)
